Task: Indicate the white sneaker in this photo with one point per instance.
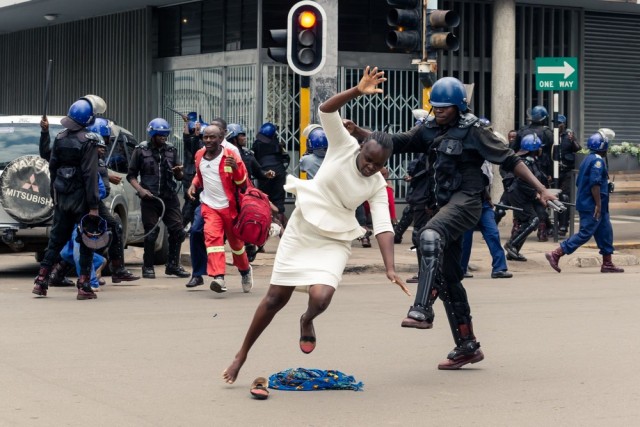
(217, 285)
(247, 281)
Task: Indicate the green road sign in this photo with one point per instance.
(557, 73)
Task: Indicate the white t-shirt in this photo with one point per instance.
(213, 194)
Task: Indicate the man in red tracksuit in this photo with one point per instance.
(219, 173)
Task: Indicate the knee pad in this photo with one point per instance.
(431, 243)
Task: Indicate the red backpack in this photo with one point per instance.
(254, 217)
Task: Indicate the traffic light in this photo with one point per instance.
(306, 38)
(438, 35)
(278, 54)
(407, 23)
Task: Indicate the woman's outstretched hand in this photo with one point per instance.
(370, 80)
(396, 280)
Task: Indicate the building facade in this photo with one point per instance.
(210, 56)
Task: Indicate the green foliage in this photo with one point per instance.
(623, 148)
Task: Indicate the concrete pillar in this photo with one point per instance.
(325, 83)
(503, 73)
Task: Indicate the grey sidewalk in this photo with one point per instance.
(369, 259)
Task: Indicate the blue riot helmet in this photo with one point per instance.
(192, 116)
(317, 140)
(268, 129)
(234, 130)
(158, 126)
(449, 91)
(562, 119)
(101, 127)
(81, 112)
(539, 114)
(530, 142)
(598, 142)
(202, 126)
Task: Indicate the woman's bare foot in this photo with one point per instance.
(307, 336)
(230, 374)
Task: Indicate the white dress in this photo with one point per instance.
(316, 244)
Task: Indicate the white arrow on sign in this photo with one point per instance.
(566, 69)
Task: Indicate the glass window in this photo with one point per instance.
(21, 139)
(190, 28)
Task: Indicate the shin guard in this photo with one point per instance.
(431, 245)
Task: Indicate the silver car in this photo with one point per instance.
(26, 207)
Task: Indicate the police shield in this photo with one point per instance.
(25, 190)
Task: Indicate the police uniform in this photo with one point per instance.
(268, 153)
(593, 171)
(73, 166)
(546, 136)
(154, 166)
(522, 195)
(455, 157)
(192, 143)
(568, 148)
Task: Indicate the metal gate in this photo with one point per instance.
(227, 92)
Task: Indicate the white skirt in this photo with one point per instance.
(305, 257)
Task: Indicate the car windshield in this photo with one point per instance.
(21, 139)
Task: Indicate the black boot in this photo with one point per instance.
(121, 274)
(84, 288)
(59, 273)
(148, 272)
(405, 221)
(41, 284)
(173, 266)
(467, 351)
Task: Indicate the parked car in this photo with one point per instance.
(26, 207)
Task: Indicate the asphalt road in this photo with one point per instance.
(560, 350)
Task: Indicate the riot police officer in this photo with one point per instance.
(270, 154)
(592, 203)
(192, 142)
(156, 163)
(456, 144)
(523, 196)
(116, 247)
(567, 157)
(538, 125)
(73, 166)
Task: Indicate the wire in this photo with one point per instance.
(159, 219)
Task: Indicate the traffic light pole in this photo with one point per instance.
(305, 114)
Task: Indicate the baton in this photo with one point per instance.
(183, 116)
(47, 85)
(513, 208)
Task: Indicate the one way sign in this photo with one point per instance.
(557, 73)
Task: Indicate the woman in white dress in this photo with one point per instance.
(316, 244)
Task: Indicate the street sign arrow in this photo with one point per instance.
(565, 69)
